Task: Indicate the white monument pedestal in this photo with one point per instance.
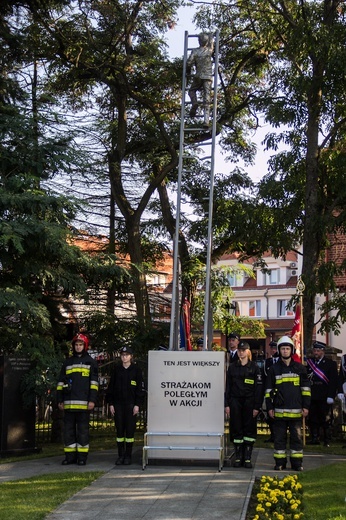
(185, 406)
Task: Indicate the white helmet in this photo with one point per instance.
(287, 342)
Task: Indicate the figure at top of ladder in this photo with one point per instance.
(201, 60)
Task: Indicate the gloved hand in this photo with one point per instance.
(330, 400)
(341, 397)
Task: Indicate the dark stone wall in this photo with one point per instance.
(17, 422)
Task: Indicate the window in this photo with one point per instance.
(233, 308)
(282, 308)
(235, 279)
(156, 280)
(273, 277)
(154, 309)
(255, 308)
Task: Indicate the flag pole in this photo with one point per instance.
(300, 291)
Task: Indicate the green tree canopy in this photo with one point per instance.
(40, 268)
(283, 63)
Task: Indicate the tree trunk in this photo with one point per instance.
(111, 250)
(313, 240)
(132, 220)
(138, 275)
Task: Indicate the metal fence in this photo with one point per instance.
(49, 420)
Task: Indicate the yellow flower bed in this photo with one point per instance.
(279, 499)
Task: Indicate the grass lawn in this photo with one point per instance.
(35, 497)
(324, 493)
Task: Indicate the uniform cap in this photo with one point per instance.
(319, 344)
(126, 349)
(234, 335)
(243, 345)
(273, 344)
(200, 341)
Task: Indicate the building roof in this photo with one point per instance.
(291, 256)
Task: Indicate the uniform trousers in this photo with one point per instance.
(125, 422)
(243, 426)
(320, 417)
(76, 434)
(294, 426)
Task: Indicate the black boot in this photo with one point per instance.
(280, 464)
(121, 453)
(128, 453)
(82, 457)
(296, 464)
(314, 436)
(247, 455)
(70, 458)
(327, 436)
(238, 450)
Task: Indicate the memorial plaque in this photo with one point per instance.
(185, 405)
(17, 421)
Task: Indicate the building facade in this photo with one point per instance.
(267, 295)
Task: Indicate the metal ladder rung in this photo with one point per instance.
(196, 129)
(196, 146)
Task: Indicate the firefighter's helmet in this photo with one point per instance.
(287, 342)
(81, 337)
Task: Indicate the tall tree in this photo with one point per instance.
(113, 52)
(291, 57)
(108, 58)
(40, 268)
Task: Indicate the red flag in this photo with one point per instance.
(295, 334)
(185, 327)
(296, 324)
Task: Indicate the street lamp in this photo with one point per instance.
(231, 308)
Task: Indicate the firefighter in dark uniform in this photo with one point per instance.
(125, 395)
(342, 379)
(342, 387)
(323, 375)
(243, 401)
(268, 362)
(232, 348)
(287, 394)
(76, 395)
